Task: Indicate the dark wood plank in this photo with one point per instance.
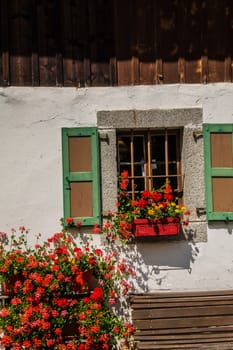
(169, 34)
(20, 39)
(35, 57)
(101, 28)
(47, 42)
(216, 49)
(69, 43)
(5, 69)
(144, 66)
(204, 43)
(59, 63)
(193, 41)
(124, 21)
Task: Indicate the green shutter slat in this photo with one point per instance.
(218, 127)
(215, 172)
(88, 176)
(92, 176)
(221, 216)
(221, 172)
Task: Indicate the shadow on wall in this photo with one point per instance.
(219, 225)
(153, 260)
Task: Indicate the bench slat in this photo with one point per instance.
(177, 331)
(185, 337)
(183, 312)
(144, 304)
(213, 346)
(184, 322)
(180, 294)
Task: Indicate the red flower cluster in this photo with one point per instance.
(49, 294)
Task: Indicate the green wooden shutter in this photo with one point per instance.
(81, 175)
(218, 153)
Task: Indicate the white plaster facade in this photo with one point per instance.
(31, 172)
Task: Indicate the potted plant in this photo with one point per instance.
(50, 306)
(153, 213)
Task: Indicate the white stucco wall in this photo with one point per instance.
(31, 172)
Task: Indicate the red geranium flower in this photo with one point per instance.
(69, 221)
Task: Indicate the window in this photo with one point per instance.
(218, 152)
(81, 180)
(151, 158)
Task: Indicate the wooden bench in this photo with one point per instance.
(183, 320)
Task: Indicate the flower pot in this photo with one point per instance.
(83, 281)
(69, 331)
(156, 227)
(8, 287)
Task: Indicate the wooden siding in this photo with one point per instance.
(115, 42)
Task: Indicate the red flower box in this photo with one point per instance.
(169, 226)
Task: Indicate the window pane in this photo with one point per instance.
(158, 182)
(172, 148)
(80, 154)
(172, 169)
(81, 199)
(158, 155)
(138, 149)
(139, 170)
(221, 150)
(157, 147)
(222, 194)
(139, 185)
(124, 149)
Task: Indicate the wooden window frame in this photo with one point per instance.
(215, 172)
(92, 176)
(148, 133)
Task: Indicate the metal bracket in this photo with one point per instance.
(104, 137)
(197, 135)
(200, 211)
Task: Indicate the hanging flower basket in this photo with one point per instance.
(169, 226)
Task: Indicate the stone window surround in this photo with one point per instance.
(192, 156)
